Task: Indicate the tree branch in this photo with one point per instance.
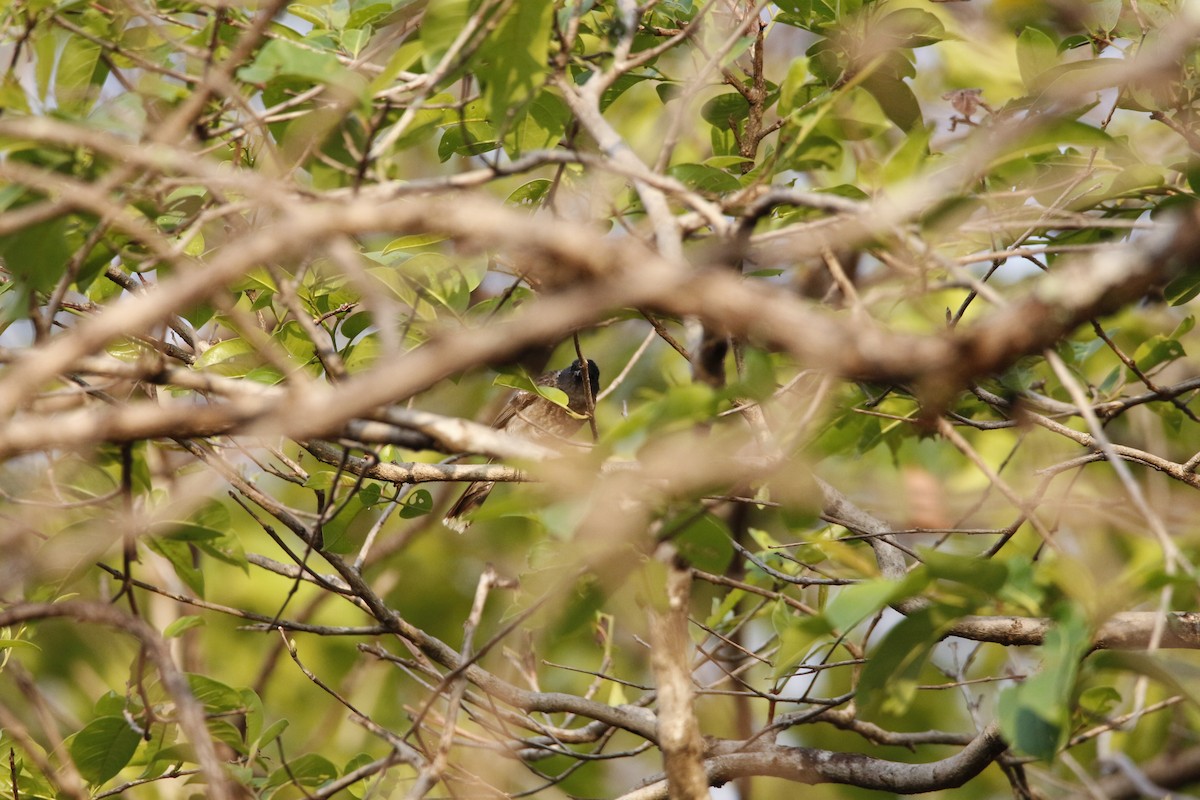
(807, 765)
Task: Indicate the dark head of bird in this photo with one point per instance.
(570, 381)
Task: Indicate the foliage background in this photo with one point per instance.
(891, 478)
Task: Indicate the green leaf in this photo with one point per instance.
(315, 17)
(826, 62)
(896, 99)
(529, 194)
(853, 604)
(272, 732)
(182, 558)
(182, 624)
(1103, 15)
(667, 91)
(1171, 416)
(890, 678)
(1036, 54)
(725, 110)
(253, 716)
(522, 382)
(857, 116)
(225, 732)
(441, 24)
(216, 697)
(1029, 729)
(355, 324)
(45, 47)
(578, 611)
(341, 534)
(705, 178)
(37, 254)
(219, 542)
(1099, 700)
(725, 162)
(817, 152)
(1110, 381)
(418, 503)
(467, 139)
(705, 544)
(621, 85)
(539, 126)
(425, 122)
(1183, 288)
(362, 354)
(1134, 181)
(355, 39)
(910, 27)
(678, 407)
(1076, 353)
(757, 380)
(442, 281)
(907, 160)
(413, 242)
(1076, 78)
(724, 611)
(8, 644)
(292, 339)
(1035, 714)
(797, 637)
(103, 747)
(232, 357)
(111, 704)
(75, 80)
(363, 14)
(1158, 349)
(510, 66)
(186, 531)
(792, 92)
(280, 58)
(983, 574)
(370, 494)
(811, 15)
(1052, 137)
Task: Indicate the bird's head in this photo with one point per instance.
(572, 377)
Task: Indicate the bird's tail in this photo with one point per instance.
(471, 499)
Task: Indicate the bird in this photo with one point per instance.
(532, 416)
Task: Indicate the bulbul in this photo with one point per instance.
(529, 415)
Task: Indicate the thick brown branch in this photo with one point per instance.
(618, 273)
(807, 765)
(670, 656)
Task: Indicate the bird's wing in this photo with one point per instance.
(515, 404)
